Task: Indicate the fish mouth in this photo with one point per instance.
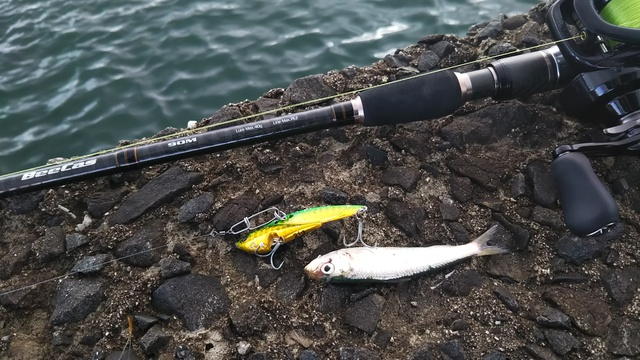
(313, 271)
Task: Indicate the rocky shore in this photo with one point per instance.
(137, 245)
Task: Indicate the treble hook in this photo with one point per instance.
(272, 253)
(360, 217)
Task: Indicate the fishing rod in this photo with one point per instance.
(438, 94)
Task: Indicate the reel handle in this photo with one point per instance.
(587, 206)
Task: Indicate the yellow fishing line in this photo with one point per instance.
(302, 104)
(623, 13)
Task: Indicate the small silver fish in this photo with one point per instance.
(395, 263)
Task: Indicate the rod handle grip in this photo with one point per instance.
(419, 98)
(586, 204)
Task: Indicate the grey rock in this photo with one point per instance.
(143, 249)
(453, 350)
(621, 285)
(184, 353)
(25, 203)
(461, 283)
(442, 48)
(507, 298)
(13, 260)
(407, 178)
(562, 342)
(333, 196)
(225, 113)
(397, 60)
(406, 217)
(375, 155)
(572, 278)
(49, 246)
(91, 264)
(234, 211)
(198, 300)
(99, 203)
(495, 356)
(540, 353)
(431, 39)
(514, 22)
(334, 297)
(508, 268)
(461, 188)
(492, 29)
(578, 250)
(159, 191)
(518, 185)
(547, 217)
(427, 60)
(75, 299)
(553, 318)
(356, 353)
(61, 338)
(154, 339)
(624, 338)
(484, 172)
(460, 234)
(545, 192)
(195, 206)
(309, 355)
(308, 88)
(518, 236)
(171, 267)
(144, 322)
(365, 313)
(248, 318)
(381, 339)
(449, 212)
(128, 354)
(75, 240)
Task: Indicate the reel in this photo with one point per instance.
(608, 55)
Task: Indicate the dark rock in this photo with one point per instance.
(572, 278)
(154, 339)
(25, 203)
(553, 318)
(245, 264)
(540, 353)
(426, 352)
(248, 318)
(490, 203)
(453, 350)
(49, 246)
(14, 260)
(75, 299)
(508, 268)
(518, 185)
(427, 60)
(333, 196)
(578, 250)
(461, 188)
(267, 104)
(290, 286)
(171, 267)
(75, 240)
(492, 29)
(91, 337)
(375, 155)
(91, 264)
(160, 190)
(459, 325)
(397, 60)
(234, 211)
(547, 217)
(481, 128)
(442, 49)
(356, 353)
(198, 300)
(519, 236)
(460, 234)
(365, 313)
(61, 339)
(431, 39)
(507, 298)
(258, 356)
(143, 249)
(308, 355)
(620, 186)
(195, 206)
(624, 338)
(407, 178)
(307, 88)
(590, 317)
(449, 212)
(562, 342)
(144, 322)
(127, 354)
(461, 283)
(99, 203)
(381, 339)
(495, 356)
(545, 192)
(334, 297)
(405, 217)
(621, 285)
(514, 22)
(484, 172)
(266, 277)
(184, 353)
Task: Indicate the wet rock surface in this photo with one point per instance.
(148, 254)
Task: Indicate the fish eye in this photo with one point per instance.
(327, 268)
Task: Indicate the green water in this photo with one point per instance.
(77, 76)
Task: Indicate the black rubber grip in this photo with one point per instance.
(586, 203)
(421, 98)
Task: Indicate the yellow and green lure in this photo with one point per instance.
(266, 240)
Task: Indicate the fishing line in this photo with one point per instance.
(284, 108)
(622, 13)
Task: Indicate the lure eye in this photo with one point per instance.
(327, 269)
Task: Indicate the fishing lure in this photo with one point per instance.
(395, 263)
(266, 240)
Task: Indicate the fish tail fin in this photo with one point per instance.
(486, 249)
